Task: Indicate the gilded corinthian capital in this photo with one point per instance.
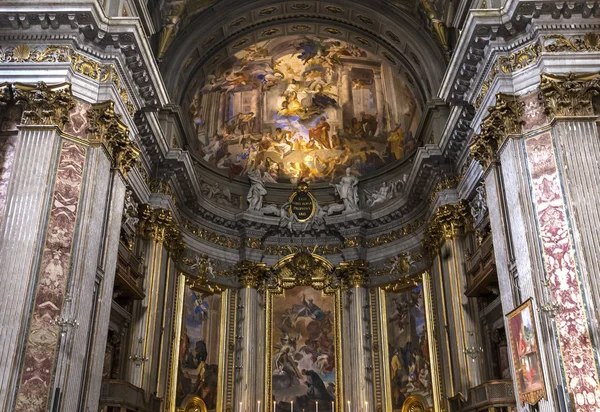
(44, 104)
(449, 222)
(106, 128)
(505, 118)
(570, 94)
(354, 273)
(251, 274)
(160, 226)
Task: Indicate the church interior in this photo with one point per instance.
(299, 206)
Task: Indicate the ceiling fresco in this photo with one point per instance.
(304, 108)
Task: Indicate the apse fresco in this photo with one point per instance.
(197, 374)
(304, 109)
(303, 350)
(409, 361)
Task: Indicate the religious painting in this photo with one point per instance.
(304, 108)
(525, 354)
(303, 350)
(411, 361)
(198, 363)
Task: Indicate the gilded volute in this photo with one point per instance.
(569, 95)
(43, 104)
(448, 222)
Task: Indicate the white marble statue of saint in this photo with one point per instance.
(347, 190)
(257, 190)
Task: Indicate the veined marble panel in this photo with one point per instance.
(572, 329)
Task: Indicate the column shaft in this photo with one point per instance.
(21, 238)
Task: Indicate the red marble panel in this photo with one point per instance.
(533, 113)
(42, 340)
(572, 328)
(78, 120)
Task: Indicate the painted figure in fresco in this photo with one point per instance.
(320, 133)
(347, 190)
(355, 130)
(369, 124)
(396, 142)
(308, 309)
(257, 190)
(246, 122)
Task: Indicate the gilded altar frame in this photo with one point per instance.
(406, 283)
(225, 358)
(303, 269)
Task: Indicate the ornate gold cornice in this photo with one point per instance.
(354, 273)
(251, 274)
(570, 94)
(303, 269)
(106, 128)
(44, 104)
(505, 118)
(448, 222)
(404, 283)
(160, 226)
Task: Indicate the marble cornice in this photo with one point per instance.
(483, 26)
(87, 18)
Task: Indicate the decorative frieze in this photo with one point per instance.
(570, 94)
(211, 237)
(44, 104)
(559, 43)
(93, 69)
(449, 222)
(521, 58)
(107, 129)
(160, 226)
(505, 118)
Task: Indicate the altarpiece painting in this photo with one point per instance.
(411, 349)
(198, 361)
(303, 353)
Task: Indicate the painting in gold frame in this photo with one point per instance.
(196, 364)
(525, 354)
(410, 347)
(303, 318)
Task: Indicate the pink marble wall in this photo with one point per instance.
(42, 341)
(7, 154)
(78, 120)
(572, 326)
(533, 111)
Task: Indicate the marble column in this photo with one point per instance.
(250, 355)
(57, 215)
(357, 362)
(346, 98)
(163, 240)
(445, 243)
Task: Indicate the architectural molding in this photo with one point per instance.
(44, 105)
